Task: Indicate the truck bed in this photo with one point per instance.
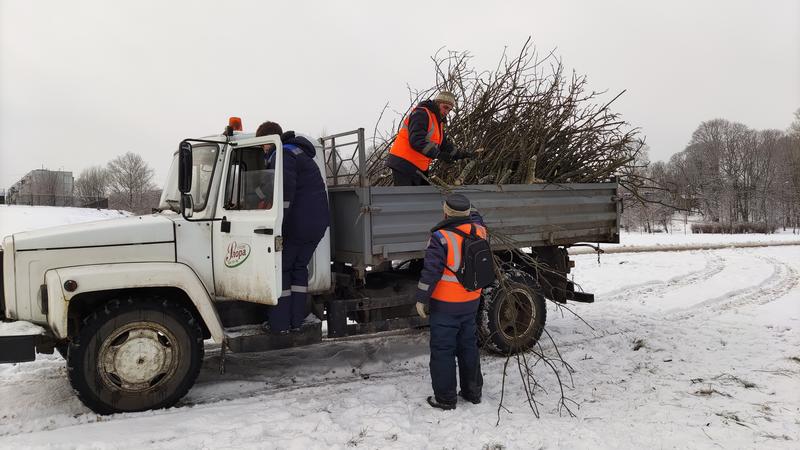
(376, 224)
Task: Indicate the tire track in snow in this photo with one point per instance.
(617, 300)
(269, 391)
(783, 279)
(714, 265)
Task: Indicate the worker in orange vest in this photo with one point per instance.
(453, 308)
(421, 140)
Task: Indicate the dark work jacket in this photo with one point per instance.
(417, 137)
(305, 200)
(435, 262)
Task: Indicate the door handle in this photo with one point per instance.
(267, 231)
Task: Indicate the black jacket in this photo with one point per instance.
(305, 200)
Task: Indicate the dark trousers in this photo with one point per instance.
(455, 337)
(407, 179)
(291, 308)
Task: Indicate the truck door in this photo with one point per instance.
(247, 243)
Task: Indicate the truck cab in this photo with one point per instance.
(228, 217)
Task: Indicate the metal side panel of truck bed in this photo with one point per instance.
(376, 224)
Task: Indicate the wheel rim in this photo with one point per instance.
(138, 357)
(516, 313)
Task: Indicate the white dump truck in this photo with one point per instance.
(130, 302)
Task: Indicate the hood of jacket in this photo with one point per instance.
(451, 222)
(289, 138)
(434, 108)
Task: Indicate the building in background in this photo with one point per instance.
(43, 187)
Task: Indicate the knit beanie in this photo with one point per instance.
(446, 97)
(456, 205)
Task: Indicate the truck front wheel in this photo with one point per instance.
(135, 354)
(511, 318)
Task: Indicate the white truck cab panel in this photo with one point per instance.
(104, 277)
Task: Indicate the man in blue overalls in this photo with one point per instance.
(453, 308)
(305, 219)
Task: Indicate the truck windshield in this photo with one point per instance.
(204, 159)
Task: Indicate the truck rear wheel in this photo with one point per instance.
(134, 355)
(511, 318)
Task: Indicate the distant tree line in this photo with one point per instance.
(731, 174)
(126, 182)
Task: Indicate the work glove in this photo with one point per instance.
(422, 310)
(446, 157)
(464, 154)
(460, 154)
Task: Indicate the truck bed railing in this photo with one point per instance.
(345, 158)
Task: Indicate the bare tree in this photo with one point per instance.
(794, 128)
(736, 175)
(92, 184)
(130, 179)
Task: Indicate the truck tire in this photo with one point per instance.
(135, 354)
(511, 318)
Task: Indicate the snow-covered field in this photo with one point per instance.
(680, 237)
(691, 349)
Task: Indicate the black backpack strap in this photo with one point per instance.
(459, 232)
(472, 232)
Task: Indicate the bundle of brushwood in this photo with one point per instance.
(525, 121)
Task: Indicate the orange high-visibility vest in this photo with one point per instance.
(402, 145)
(449, 289)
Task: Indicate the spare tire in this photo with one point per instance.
(511, 317)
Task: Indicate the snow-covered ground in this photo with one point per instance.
(680, 236)
(633, 239)
(692, 349)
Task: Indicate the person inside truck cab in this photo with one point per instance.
(421, 140)
(305, 219)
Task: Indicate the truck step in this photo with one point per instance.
(582, 297)
(253, 338)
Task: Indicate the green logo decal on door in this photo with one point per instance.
(237, 254)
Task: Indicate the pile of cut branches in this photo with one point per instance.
(535, 123)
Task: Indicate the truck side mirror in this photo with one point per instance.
(185, 167)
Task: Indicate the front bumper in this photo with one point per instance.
(18, 348)
(20, 341)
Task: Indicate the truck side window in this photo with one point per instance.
(250, 180)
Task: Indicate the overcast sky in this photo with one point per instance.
(84, 81)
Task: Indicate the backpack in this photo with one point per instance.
(477, 261)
